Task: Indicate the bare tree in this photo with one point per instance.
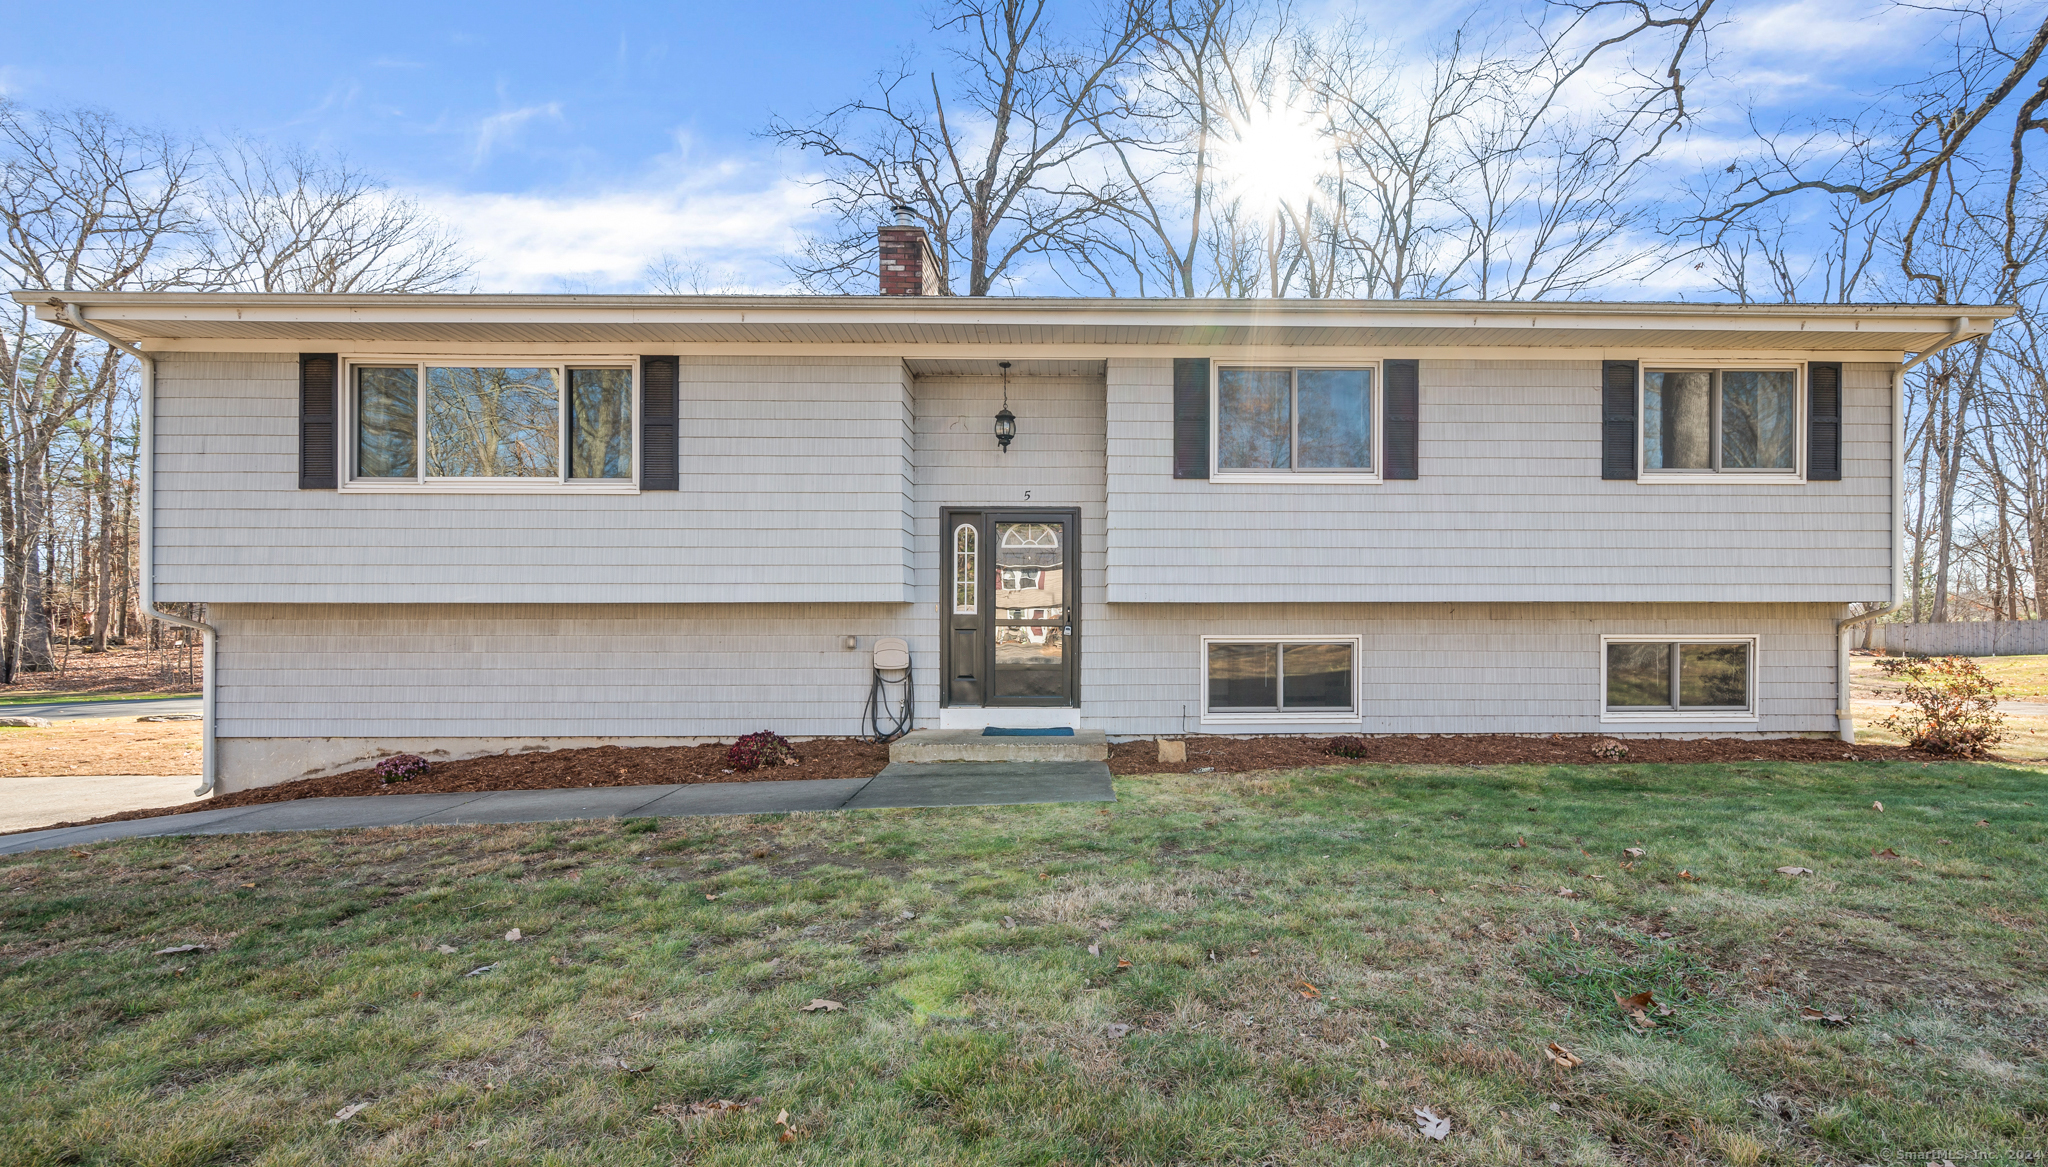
(288, 221)
(997, 159)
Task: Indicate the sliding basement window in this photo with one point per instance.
(1686, 679)
(1294, 679)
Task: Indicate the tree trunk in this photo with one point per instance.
(103, 609)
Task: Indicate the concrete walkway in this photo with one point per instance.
(902, 784)
(31, 802)
(74, 710)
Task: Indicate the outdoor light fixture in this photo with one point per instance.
(1006, 422)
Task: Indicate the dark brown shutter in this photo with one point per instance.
(1403, 410)
(660, 449)
(1824, 422)
(1618, 419)
(319, 451)
(1191, 417)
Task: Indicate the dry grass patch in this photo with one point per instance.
(101, 745)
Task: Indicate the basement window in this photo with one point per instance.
(1292, 679)
(1688, 678)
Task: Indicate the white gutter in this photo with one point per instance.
(1845, 721)
(73, 317)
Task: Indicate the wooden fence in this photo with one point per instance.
(1974, 638)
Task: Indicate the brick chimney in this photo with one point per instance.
(908, 266)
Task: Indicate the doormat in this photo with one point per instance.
(994, 731)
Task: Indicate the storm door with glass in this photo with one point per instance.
(1011, 587)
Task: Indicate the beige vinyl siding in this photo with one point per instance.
(795, 474)
(1458, 668)
(1509, 506)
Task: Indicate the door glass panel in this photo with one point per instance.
(1031, 661)
(1030, 572)
(966, 558)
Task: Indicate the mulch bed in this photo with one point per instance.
(1240, 755)
(551, 770)
(855, 758)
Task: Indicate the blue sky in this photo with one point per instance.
(572, 142)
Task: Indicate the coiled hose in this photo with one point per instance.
(877, 708)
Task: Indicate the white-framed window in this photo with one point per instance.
(1723, 422)
(1295, 423)
(1678, 678)
(497, 425)
(966, 597)
(1280, 678)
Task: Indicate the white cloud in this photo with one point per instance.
(501, 127)
(732, 217)
(1806, 29)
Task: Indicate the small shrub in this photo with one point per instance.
(1347, 746)
(401, 767)
(756, 750)
(1611, 749)
(1953, 706)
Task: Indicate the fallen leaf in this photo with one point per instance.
(1795, 871)
(248, 885)
(1008, 922)
(1942, 842)
(1634, 852)
(1308, 990)
(1983, 822)
(446, 950)
(1255, 950)
(1095, 950)
(1382, 1041)
(1634, 1006)
(759, 853)
(703, 1111)
(1906, 1040)
(1122, 964)
(1517, 843)
(1822, 1016)
(818, 1003)
(1660, 935)
(1105, 923)
(1431, 1125)
(709, 896)
(908, 916)
(477, 972)
(1569, 894)
(788, 1134)
(81, 854)
(347, 1112)
(615, 1062)
(1687, 875)
(1117, 1030)
(175, 949)
(514, 935)
(1556, 1109)
(1564, 1058)
(1878, 806)
(479, 1143)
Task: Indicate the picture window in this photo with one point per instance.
(514, 425)
(1285, 421)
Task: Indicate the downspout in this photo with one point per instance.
(145, 582)
(1844, 716)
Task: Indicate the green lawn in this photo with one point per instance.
(37, 698)
(1311, 956)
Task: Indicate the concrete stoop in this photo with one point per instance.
(968, 745)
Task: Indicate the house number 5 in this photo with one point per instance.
(1027, 496)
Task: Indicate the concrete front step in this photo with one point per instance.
(968, 745)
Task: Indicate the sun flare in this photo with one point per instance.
(1277, 156)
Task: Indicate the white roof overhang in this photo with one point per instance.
(940, 325)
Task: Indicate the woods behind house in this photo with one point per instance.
(1175, 148)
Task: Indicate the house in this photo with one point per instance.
(479, 523)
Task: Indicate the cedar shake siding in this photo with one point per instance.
(317, 688)
(1508, 505)
(793, 488)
